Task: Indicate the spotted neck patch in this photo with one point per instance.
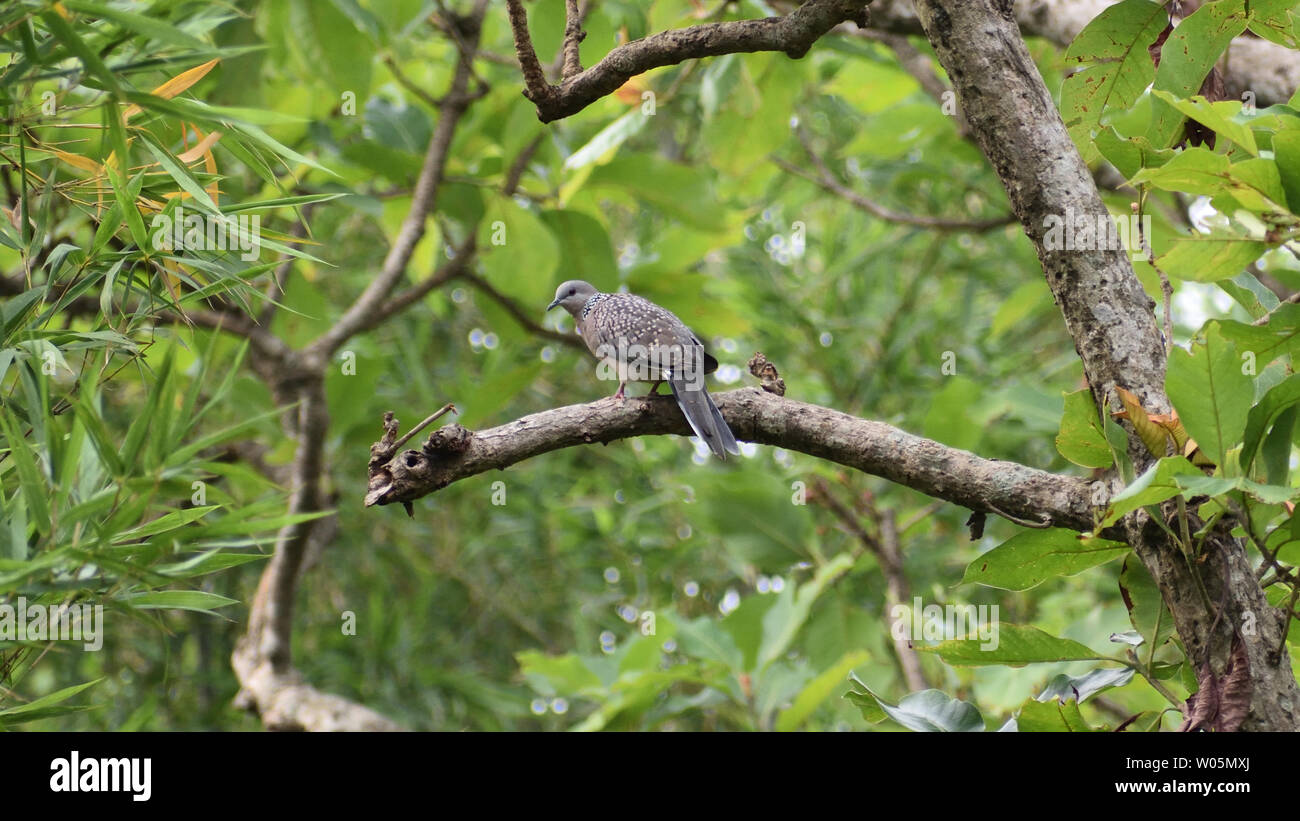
(591, 303)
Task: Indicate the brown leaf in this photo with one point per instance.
(1153, 435)
(1221, 704)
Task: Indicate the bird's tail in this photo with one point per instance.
(704, 417)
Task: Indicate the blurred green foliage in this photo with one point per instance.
(637, 585)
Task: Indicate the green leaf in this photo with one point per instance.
(1211, 393)
(862, 697)
(819, 689)
(1146, 607)
(1051, 717)
(519, 253)
(784, 619)
(601, 147)
(45, 706)
(550, 675)
(1033, 556)
(34, 486)
(1117, 69)
(89, 59)
(677, 190)
(181, 176)
(704, 639)
(1218, 116)
(1157, 484)
(150, 27)
(585, 250)
(171, 521)
(1275, 454)
(1280, 398)
(197, 600)
(1187, 57)
(1080, 688)
(1013, 645)
(931, 711)
(1081, 439)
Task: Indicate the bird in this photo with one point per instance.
(644, 342)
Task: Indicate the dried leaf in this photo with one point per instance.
(175, 85)
(1221, 704)
(1154, 436)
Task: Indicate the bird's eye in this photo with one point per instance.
(573, 291)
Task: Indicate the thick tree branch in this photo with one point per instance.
(1268, 71)
(362, 315)
(1110, 317)
(792, 34)
(262, 659)
(453, 453)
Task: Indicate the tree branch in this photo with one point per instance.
(522, 317)
(826, 179)
(890, 557)
(453, 453)
(792, 34)
(573, 37)
(1267, 70)
(365, 312)
(1109, 315)
(262, 659)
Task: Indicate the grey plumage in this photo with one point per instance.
(644, 342)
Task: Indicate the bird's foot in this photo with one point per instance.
(619, 395)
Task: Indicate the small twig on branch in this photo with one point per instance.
(520, 315)
(409, 84)
(1292, 299)
(1166, 287)
(402, 440)
(827, 180)
(459, 265)
(792, 34)
(888, 556)
(573, 37)
(535, 84)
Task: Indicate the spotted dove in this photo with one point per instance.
(644, 342)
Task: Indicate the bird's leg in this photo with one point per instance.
(619, 393)
(654, 389)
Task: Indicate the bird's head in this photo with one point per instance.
(572, 295)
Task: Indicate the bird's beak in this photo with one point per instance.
(554, 302)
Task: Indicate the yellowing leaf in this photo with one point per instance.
(176, 85)
(78, 161)
(1153, 435)
(201, 149)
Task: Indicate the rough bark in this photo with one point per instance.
(1269, 71)
(1110, 317)
(792, 34)
(1019, 493)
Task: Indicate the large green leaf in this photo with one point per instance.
(1117, 68)
(1033, 556)
(1211, 393)
(1014, 645)
(1081, 439)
